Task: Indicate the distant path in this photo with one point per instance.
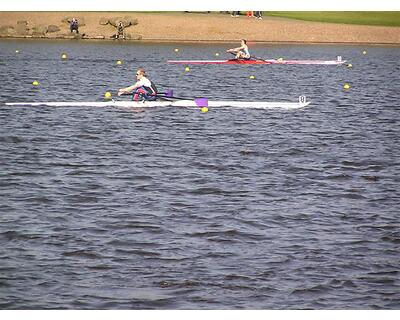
(212, 27)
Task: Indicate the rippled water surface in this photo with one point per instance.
(171, 208)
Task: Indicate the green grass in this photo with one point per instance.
(375, 18)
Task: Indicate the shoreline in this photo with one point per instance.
(167, 41)
(180, 27)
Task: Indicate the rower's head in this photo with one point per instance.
(243, 41)
(140, 73)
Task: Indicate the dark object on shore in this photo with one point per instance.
(120, 31)
(74, 26)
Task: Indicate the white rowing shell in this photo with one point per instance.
(179, 103)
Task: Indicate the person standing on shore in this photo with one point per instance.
(74, 25)
(143, 88)
(257, 15)
(235, 14)
(241, 52)
(120, 30)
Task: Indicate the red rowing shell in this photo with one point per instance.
(271, 61)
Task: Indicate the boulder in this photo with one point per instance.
(103, 21)
(129, 21)
(114, 21)
(6, 30)
(130, 36)
(22, 28)
(53, 28)
(39, 30)
(81, 21)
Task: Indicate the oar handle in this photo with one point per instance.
(173, 97)
(256, 58)
(251, 56)
(170, 94)
(200, 102)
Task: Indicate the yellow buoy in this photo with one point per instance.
(349, 65)
(64, 56)
(364, 52)
(252, 77)
(187, 69)
(35, 83)
(176, 50)
(107, 95)
(119, 62)
(346, 86)
(217, 54)
(16, 51)
(204, 109)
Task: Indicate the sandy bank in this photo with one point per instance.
(196, 27)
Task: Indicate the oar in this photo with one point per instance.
(257, 58)
(200, 102)
(167, 94)
(251, 57)
(170, 94)
(232, 53)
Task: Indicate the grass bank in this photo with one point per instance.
(372, 18)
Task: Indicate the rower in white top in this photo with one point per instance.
(241, 52)
(143, 89)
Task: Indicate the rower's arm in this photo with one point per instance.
(128, 89)
(235, 49)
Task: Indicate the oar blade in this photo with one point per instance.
(201, 102)
(169, 93)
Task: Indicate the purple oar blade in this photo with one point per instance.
(169, 93)
(201, 102)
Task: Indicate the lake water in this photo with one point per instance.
(171, 208)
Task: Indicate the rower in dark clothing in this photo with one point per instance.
(74, 25)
